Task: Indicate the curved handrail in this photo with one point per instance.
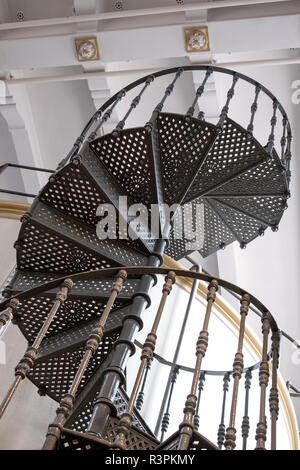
(79, 141)
(139, 271)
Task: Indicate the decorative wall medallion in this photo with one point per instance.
(196, 39)
(87, 49)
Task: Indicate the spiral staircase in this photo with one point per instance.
(242, 187)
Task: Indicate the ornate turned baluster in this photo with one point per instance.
(150, 124)
(246, 422)
(106, 115)
(261, 429)
(225, 109)
(147, 353)
(187, 427)
(238, 366)
(253, 110)
(273, 398)
(6, 315)
(94, 339)
(200, 390)
(27, 361)
(199, 92)
(288, 154)
(132, 106)
(166, 416)
(271, 140)
(140, 398)
(221, 430)
(283, 138)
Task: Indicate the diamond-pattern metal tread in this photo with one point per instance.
(235, 153)
(79, 421)
(98, 289)
(197, 442)
(136, 439)
(76, 336)
(32, 313)
(204, 231)
(85, 236)
(54, 376)
(79, 188)
(183, 146)
(128, 157)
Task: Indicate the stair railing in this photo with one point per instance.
(188, 428)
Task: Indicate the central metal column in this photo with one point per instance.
(113, 375)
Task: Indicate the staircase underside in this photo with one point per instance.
(230, 189)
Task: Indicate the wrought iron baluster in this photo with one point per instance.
(26, 363)
(273, 398)
(271, 140)
(106, 115)
(283, 138)
(261, 429)
(199, 92)
(288, 154)
(140, 397)
(186, 427)
(94, 339)
(221, 430)
(238, 366)
(158, 108)
(132, 106)
(246, 421)
(250, 127)
(166, 416)
(225, 109)
(200, 390)
(147, 352)
(6, 315)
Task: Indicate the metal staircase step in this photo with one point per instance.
(183, 146)
(93, 289)
(234, 154)
(198, 442)
(52, 241)
(53, 373)
(32, 313)
(76, 336)
(211, 233)
(73, 440)
(266, 179)
(80, 187)
(84, 404)
(128, 157)
(136, 440)
(244, 227)
(268, 210)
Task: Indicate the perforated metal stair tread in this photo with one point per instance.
(235, 156)
(210, 232)
(84, 404)
(93, 289)
(73, 440)
(79, 188)
(33, 312)
(55, 374)
(267, 178)
(136, 440)
(197, 442)
(183, 146)
(84, 236)
(128, 157)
